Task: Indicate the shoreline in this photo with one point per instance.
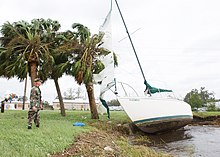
(208, 120)
(105, 141)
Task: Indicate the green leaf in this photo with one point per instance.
(87, 76)
(98, 67)
(76, 67)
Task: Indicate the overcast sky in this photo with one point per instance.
(177, 41)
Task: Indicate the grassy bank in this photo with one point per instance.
(57, 133)
(206, 118)
(206, 114)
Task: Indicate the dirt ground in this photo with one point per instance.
(97, 143)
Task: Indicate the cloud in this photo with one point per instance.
(177, 43)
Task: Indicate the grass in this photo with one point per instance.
(138, 151)
(54, 134)
(57, 133)
(206, 114)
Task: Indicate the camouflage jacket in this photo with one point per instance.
(35, 97)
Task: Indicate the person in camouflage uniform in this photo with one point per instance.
(35, 104)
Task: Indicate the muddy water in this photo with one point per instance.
(192, 141)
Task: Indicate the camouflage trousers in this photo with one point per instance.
(33, 115)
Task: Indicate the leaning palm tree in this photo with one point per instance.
(87, 62)
(64, 45)
(56, 40)
(61, 47)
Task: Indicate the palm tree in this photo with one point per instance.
(25, 44)
(64, 44)
(87, 62)
(58, 41)
(27, 48)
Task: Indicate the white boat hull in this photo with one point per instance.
(153, 115)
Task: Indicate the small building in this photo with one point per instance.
(16, 105)
(13, 102)
(76, 104)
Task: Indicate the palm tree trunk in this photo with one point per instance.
(2, 106)
(25, 89)
(62, 108)
(33, 67)
(93, 108)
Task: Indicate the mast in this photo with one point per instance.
(131, 42)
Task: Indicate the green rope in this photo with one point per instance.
(104, 103)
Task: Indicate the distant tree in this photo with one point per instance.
(79, 92)
(207, 96)
(47, 106)
(69, 94)
(21, 98)
(211, 107)
(73, 93)
(199, 98)
(195, 101)
(113, 102)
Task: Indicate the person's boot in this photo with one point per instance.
(29, 127)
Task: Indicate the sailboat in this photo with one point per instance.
(150, 114)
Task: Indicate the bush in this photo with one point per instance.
(212, 107)
(47, 106)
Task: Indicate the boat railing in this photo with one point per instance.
(126, 90)
(123, 84)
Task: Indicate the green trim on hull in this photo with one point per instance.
(162, 118)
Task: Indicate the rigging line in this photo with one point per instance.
(131, 34)
(130, 40)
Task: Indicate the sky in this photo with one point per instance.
(177, 41)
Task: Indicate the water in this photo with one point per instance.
(192, 141)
